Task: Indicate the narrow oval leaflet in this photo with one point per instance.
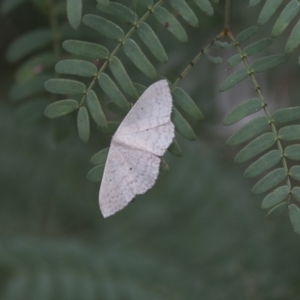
(269, 62)
(136, 55)
(295, 172)
(264, 163)
(254, 2)
(83, 124)
(257, 46)
(76, 67)
(95, 109)
(146, 3)
(113, 107)
(269, 181)
(286, 115)
(293, 40)
(292, 152)
(246, 34)
(277, 210)
(61, 108)
(205, 6)
(175, 149)
(296, 193)
(74, 12)
(65, 86)
(111, 127)
(275, 197)
(289, 133)
(257, 146)
(294, 214)
(100, 157)
(133, 160)
(182, 126)
(96, 173)
(234, 79)
(85, 49)
(243, 110)
(164, 17)
(234, 60)
(246, 132)
(268, 10)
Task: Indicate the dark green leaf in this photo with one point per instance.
(246, 34)
(110, 129)
(182, 126)
(275, 197)
(268, 10)
(60, 108)
(263, 164)
(122, 77)
(100, 157)
(269, 181)
(74, 12)
(140, 88)
(65, 86)
(83, 124)
(113, 92)
(254, 2)
(113, 107)
(174, 149)
(296, 193)
(277, 210)
(185, 102)
(257, 146)
(295, 172)
(243, 110)
(289, 133)
(104, 2)
(151, 40)
(28, 43)
(292, 152)
(205, 6)
(167, 19)
(258, 46)
(119, 11)
(286, 115)
(268, 62)
(135, 54)
(234, 60)
(234, 79)
(76, 67)
(249, 130)
(294, 39)
(86, 49)
(95, 174)
(147, 3)
(286, 17)
(29, 88)
(185, 11)
(294, 214)
(103, 26)
(95, 109)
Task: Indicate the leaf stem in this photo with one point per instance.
(227, 15)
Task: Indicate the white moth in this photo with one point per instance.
(133, 159)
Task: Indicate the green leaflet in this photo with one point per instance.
(29, 88)
(119, 11)
(140, 88)
(286, 17)
(113, 107)
(103, 26)
(254, 2)
(234, 60)
(121, 75)
(294, 39)
(257, 46)
(147, 3)
(110, 129)
(185, 102)
(104, 2)
(275, 197)
(269, 181)
(257, 146)
(263, 164)
(96, 173)
(289, 133)
(296, 193)
(95, 109)
(86, 49)
(277, 210)
(83, 124)
(268, 10)
(170, 22)
(234, 79)
(28, 43)
(65, 86)
(295, 172)
(246, 34)
(100, 157)
(60, 108)
(113, 92)
(294, 214)
(174, 149)
(150, 39)
(268, 62)
(205, 6)
(292, 152)
(135, 54)
(182, 126)
(185, 11)
(249, 130)
(74, 12)
(286, 115)
(76, 67)
(243, 110)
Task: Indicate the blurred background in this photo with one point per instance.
(198, 234)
